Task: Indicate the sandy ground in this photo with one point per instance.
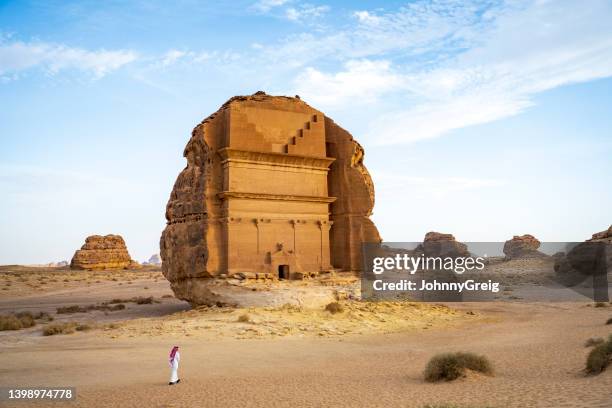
(368, 355)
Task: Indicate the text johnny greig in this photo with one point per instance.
(412, 264)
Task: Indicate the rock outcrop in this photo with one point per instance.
(153, 260)
(103, 252)
(437, 244)
(273, 189)
(603, 236)
(524, 246)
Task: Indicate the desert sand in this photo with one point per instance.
(367, 355)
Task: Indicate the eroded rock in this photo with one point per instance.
(436, 244)
(103, 252)
(272, 187)
(523, 246)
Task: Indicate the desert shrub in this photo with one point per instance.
(601, 304)
(593, 341)
(143, 300)
(59, 328)
(334, 307)
(83, 327)
(43, 316)
(450, 366)
(10, 322)
(599, 358)
(26, 319)
(609, 321)
(85, 309)
(71, 309)
(166, 296)
(446, 405)
(244, 318)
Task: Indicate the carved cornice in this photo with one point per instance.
(229, 155)
(278, 197)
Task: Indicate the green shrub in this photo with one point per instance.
(599, 358)
(450, 366)
(334, 307)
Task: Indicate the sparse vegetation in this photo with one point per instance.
(450, 366)
(600, 357)
(593, 341)
(139, 300)
(59, 328)
(85, 309)
(167, 296)
(244, 318)
(601, 304)
(334, 307)
(20, 320)
(609, 321)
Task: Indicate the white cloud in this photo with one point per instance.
(18, 56)
(450, 64)
(263, 6)
(366, 17)
(305, 11)
(362, 81)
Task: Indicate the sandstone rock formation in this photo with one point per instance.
(437, 244)
(523, 246)
(273, 189)
(587, 266)
(153, 260)
(102, 252)
(603, 236)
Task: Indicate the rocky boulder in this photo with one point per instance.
(603, 236)
(437, 244)
(103, 252)
(524, 246)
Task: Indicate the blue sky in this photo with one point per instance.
(482, 119)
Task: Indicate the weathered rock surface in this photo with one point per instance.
(103, 252)
(436, 244)
(603, 236)
(272, 188)
(524, 246)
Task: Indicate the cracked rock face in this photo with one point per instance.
(273, 189)
(102, 252)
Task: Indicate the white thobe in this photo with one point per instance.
(174, 369)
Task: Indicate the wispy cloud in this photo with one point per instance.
(18, 56)
(454, 64)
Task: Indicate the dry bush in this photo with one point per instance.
(593, 341)
(334, 307)
(609, 321)
(450, 366)
(9, 322)
(88, 308)
(600, 357)
(59, 328)
(244, 318)
(166, 296)
(601, 304)
(139, 300)
(83, 327)
(17, 321)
